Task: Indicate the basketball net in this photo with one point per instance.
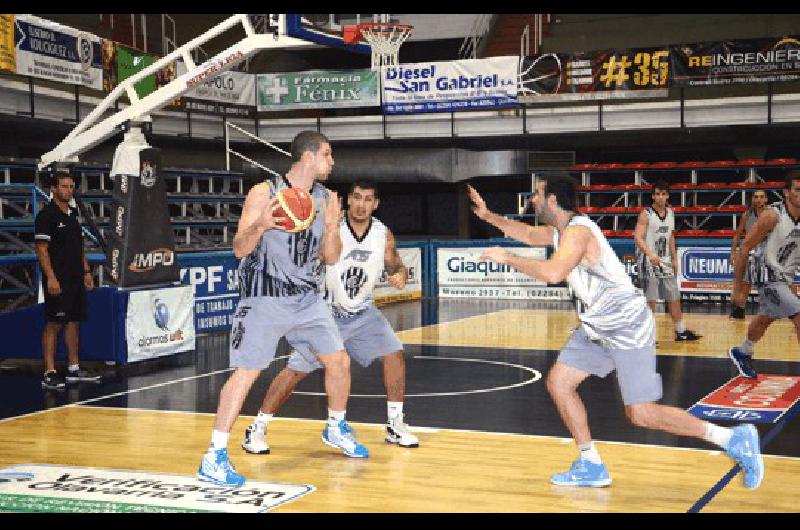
(384, 38)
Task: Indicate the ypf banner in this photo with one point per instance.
(472, 84)
(53, 51)
(317, 90)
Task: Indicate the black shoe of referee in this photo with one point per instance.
(53, 381)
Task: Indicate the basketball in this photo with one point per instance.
(298, 207)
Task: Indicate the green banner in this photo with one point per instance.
(317, 89)
(129, 61)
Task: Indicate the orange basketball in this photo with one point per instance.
(297, 206)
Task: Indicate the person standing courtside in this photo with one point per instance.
(279, 280)
(616, 332)
(657, 258)
(776, 240)
(748, 220)
(66, 276)
(368, 248)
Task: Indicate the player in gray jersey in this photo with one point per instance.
(748, 220)
(279, 277)
(776, 240)
(617, 332)
(657, 258)
(368, 249)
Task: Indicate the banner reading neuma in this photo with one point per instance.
(472, 84)
(607, 74)
(739, 61)
(53, 51)
(317, 90)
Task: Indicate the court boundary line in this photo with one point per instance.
(423, 429)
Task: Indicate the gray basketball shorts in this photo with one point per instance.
(638, 379)
(777, 300)
(661, 289)
(367, 336)
(260, 321)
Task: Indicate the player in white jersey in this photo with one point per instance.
(368, 248)
(657, 258)
(617, 332)
(776, 240)
(746, 223)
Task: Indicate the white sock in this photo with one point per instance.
(334, 417)
(588, 452)
(748, 346)
(717, 435)
(394, 409)
(680, 327)
(263, 418)
(74, 367)
(219, 439)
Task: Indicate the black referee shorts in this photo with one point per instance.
(69, 306)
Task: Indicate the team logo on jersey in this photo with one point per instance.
(148, 174)
(300, 245)
(353, 280)
(237, 334)
(359, 255)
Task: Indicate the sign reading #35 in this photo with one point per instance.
(462, 275)
(472, 84)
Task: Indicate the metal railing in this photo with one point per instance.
(472, 42)
(229, 151)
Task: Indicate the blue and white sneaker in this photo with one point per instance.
(745, 448)
(583, 473)
(342, 437)
(216, 467)
(743, 362)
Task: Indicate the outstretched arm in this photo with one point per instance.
(331, 246)
(738, 235)
(524, 233)
(764, 225)
(396, 270)
(571, 250)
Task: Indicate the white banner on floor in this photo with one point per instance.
(160, 322)
(460, 274)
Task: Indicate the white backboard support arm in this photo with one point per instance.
(93, 130)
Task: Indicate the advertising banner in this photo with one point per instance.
(52, 51)
(607, 74)
(230, 93)
(319, 89)
(473, 84)
(123, 62)
(461, 275)
(384, 292)
(215, 285)
(7, 56)
(763, 400)
(738, 61)
(159, 322)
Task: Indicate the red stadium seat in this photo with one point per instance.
(771, 185)
(751, 162)
(722, 163)
(683, 186)
(741, 185)
(663, 165)
(691, 233)
(636, 165)
(721, 233)
(781, 162)
(731, 208)
(583, 167)
(711, 186)
(692, 163)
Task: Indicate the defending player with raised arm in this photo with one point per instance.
(657, 258)
(616, 332)
(775, 237)
(369, 249)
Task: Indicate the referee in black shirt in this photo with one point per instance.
(66, 278)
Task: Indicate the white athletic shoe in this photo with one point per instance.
(255, 439)
(397, 432)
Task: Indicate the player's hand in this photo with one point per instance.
(397, 280)
(268, 218)
(478, 204)
(496, 254)
(53, 287)
(88, 282)
(655, 261)
(332, 211)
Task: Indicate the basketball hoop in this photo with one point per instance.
(384, 38)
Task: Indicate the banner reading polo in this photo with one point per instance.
(317, 89)
(460, 274)
(52, 51)
(7, 58)
(471, 84)
(230, 93)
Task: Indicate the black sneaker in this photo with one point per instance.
(687, 335)
(53, 381)
(80, 375)
(737, 313)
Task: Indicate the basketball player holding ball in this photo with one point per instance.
(279, 279)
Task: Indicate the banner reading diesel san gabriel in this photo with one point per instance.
(739, 61)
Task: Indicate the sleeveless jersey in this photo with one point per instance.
(284, 264)
(750, 222)
(777, 257)
(612, 311)
(657, 239)
(350, 281)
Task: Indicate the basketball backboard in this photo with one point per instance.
(326, 29)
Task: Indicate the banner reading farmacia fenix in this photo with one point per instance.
(317, 89)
